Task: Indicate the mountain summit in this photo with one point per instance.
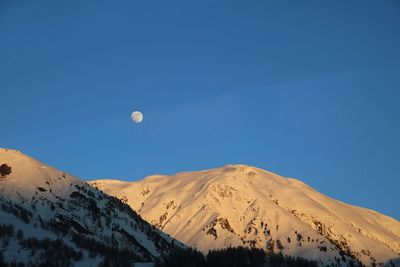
(239, 205)
(51, 218)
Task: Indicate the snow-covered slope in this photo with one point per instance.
(241, 205)
(43, 208)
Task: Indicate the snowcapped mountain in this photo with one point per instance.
(50, 218)
(238, 205)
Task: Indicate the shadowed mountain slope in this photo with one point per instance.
(52, 218)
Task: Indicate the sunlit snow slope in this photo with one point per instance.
(241, 205)
(59, 220)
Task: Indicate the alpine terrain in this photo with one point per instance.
(239, 205)
(50, 218)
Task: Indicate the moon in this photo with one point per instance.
(137, 116)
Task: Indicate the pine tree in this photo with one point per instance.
(4, 170)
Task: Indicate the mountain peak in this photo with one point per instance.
(241, 205)
(14, 155)
(28, 176)
(84, 225)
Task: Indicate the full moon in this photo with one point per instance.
(137, 116)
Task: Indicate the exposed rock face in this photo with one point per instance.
(242, 205)
(48, 207)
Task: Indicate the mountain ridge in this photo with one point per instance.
(47, 207)
(230, 205)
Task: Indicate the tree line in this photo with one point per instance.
(232, 257)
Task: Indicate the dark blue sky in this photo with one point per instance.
(307, 89)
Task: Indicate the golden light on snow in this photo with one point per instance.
(222, 207)
(137, 116)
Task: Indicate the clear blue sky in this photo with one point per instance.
(307, 89)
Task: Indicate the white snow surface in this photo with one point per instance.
(52, 197)
(247, 206)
